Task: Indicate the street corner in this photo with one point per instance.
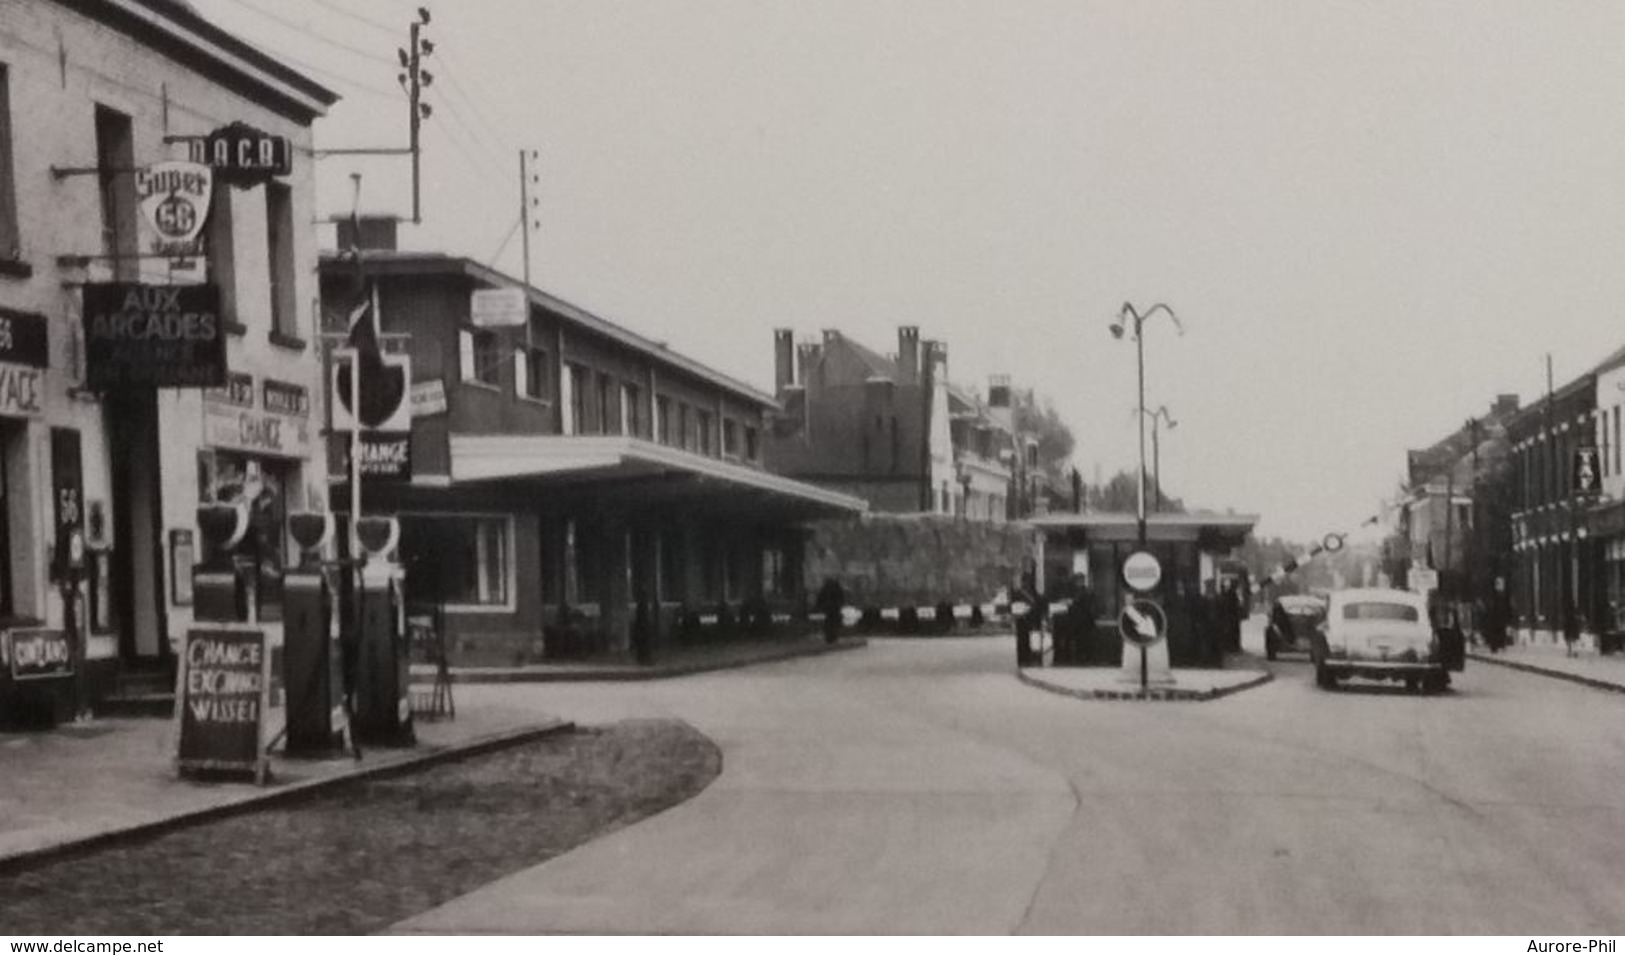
(1107, 683)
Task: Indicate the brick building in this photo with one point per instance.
(892, 430)
(562, 467)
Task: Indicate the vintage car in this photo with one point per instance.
(1379, 634)
(1292, 622)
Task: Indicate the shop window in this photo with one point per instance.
(458, 560)
(588, 556)
(11, 247)
(226, 477)
(279, 230)
(478, 357)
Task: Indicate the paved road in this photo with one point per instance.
(916, 786)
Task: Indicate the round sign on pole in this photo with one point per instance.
(1142, 623)
(1142, 571)
(1333, 542)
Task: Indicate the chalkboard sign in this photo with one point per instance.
(38, 654)
(224, 689)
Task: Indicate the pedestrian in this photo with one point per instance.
(1571, 629)
(831, 601)
(1232, 609)
(642, 631)
(1024, 605)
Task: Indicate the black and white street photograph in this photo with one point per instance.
(812, 468)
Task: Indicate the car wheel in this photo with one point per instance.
(1433, 683)
(1412, 684)
(1324, 678)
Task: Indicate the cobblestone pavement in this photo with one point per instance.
(360, 858)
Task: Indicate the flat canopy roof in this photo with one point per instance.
(652, 473)
(1229, 529)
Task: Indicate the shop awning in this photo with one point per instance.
(650, 472)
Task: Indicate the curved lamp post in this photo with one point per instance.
(1126, 315)
(1161, 416)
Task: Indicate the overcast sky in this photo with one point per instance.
(1372, 217)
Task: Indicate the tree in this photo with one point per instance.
(1118, 495)
(1055, 442)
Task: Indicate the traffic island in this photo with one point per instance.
(1103, 683)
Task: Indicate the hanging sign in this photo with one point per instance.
(243, 156)
(223, 690)
(153, 336)
(174, 200)
(497, 308)
(385, 414)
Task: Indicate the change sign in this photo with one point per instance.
(224, 689)
(153, 336)
(40, 653)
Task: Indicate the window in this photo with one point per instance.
(461, 560)
(279, 246)
(673, 588)
(609, 421)
(684, 435)
(1373, 610)
(11, 246)
(1616, 439)
(478, 357)
(218, 249)
(752, 450)
(576, 378)
(632, 410)
(663, 419)
(588, 554)
(532, 379)
(703, 433)
(730, 438)
(115, 157)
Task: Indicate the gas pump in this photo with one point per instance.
(217, 589)
(382, 707)
(311, 655)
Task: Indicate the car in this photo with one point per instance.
(1292, 622)
(1379, 634)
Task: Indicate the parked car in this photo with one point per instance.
(1292, 622)
(1379, 634)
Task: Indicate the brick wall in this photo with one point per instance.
(885, 560)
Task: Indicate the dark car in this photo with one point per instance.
(1292, 624)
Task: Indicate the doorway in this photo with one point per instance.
(137, 559)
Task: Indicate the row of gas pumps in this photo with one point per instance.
(344, 668)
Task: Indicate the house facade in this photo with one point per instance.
(92, 94)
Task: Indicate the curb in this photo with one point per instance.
(1592, 682)
(1154, 695)
(475, 746)
(632, 672)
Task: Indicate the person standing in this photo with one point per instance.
(831, 601)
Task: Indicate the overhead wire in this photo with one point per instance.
(307, 32)
(391, 30)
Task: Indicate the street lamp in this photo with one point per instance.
(1158, 418)
(1119, 328)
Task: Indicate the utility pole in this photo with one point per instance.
(415, 80)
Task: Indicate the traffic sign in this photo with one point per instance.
(1142, 571)
(1142, 623)
(1332, 543)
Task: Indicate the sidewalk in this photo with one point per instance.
(1107, 683)
(1587, 666)
(669, 662)
(109, 778)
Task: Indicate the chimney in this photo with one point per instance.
(784, 356)
(998, 401)
(367, 232)
(810, 356)
(1504, 405)
(908, 354)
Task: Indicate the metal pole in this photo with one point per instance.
(1156, 462)
(524, 221)
(1139, 354)
(416, 122)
